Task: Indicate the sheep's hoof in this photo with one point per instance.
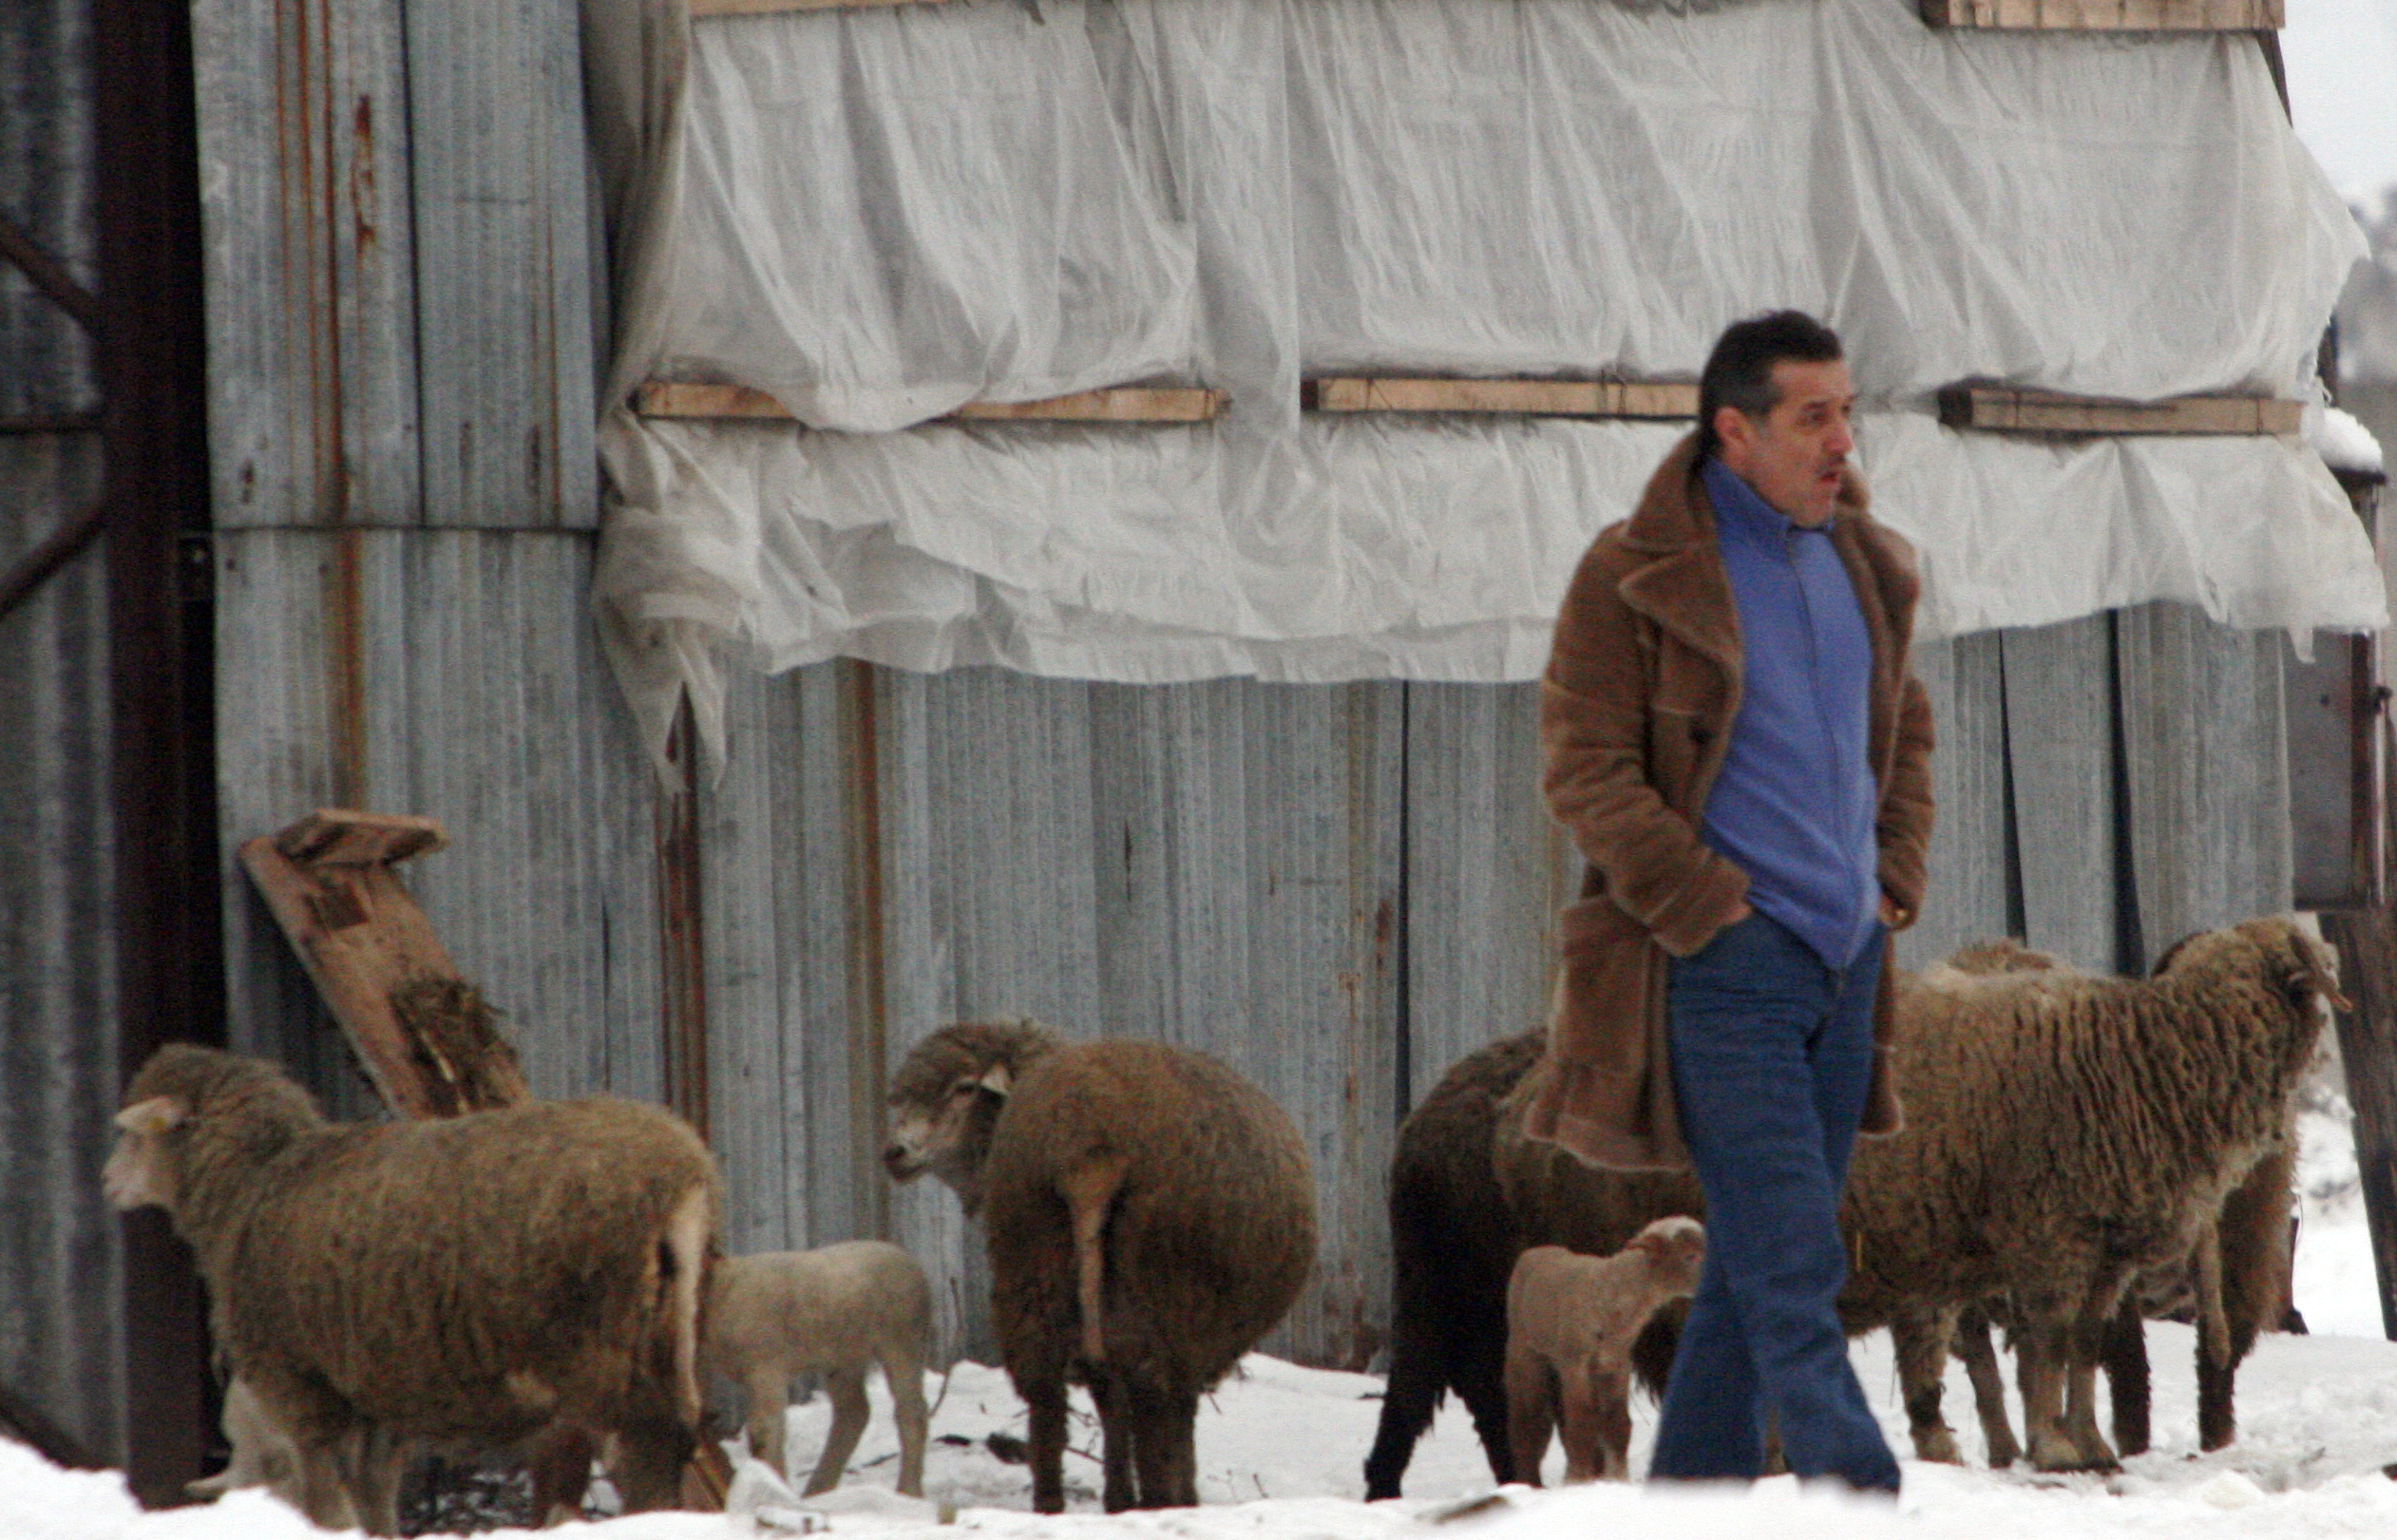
(1937, 1445)
(2004, 1452)
(2060, 1455)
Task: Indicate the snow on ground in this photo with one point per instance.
(1281, 1448)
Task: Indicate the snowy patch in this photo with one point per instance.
(2343, 443)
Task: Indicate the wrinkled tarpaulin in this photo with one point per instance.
(876, 215)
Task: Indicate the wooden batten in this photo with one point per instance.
(2006, 409)
(775, 8)
(1524, 398)
(2108, 15)
(1120, 404)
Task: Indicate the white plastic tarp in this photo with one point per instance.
(876, 215)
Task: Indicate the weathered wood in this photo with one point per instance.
(1122, 404)
(1998, 408)
(1528, 398)
(777, 8)
(2109, 15)
(2367, 941)
(2058, 683)
(339, 837)
(370, 952)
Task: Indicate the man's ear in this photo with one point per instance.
(998, 1080)
(1733, 429)
(155, 1116)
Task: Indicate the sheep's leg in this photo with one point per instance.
(324, 1494)
(2127, 1379)
(1598, 1425)
(1165, 1446)
(1577, 1424)
(2083, 1340)
(1044, 1440)
(560, 1462)
(1089, 1193)
(1531, 1413)
(2039, 1360)
(1920, 1333)
(645, 1460)
(1420, 1344)
(2215, 1426)
(1479, 1354)
(846, 1387)
(769, 1403)
(1988, 1386)
(1119, 1435)
(377, 1459)
(902, 1368)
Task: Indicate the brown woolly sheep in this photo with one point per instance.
(1570, 1324)
(836, 1311)
(468, 1280)
(2063, 1133)
(1468, 1193)
(1150, 1216)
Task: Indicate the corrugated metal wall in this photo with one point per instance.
(61, 1341)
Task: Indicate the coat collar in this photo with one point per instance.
(1680, 584)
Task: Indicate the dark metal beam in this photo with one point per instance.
(62, 545)
(170, 959)
(49, 275)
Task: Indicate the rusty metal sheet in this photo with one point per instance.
(311, 262)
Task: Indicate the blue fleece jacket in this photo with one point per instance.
(1794, 806)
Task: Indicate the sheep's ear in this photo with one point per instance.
(998, 1080)
(2318, 968)
(155, 1116)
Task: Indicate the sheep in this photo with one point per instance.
(836, 1311)
(2064, 1131)
(478, 1280)
(1467, 1194)
(1570, 1324)
(1149, 1213)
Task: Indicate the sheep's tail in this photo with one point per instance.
(682, 1267)
(1089, 1193)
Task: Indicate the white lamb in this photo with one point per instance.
(835, 1311)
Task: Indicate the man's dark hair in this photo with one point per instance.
(1740, 371)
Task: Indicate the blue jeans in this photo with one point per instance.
(1772, 1057)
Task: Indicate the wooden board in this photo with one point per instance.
(2109, 15)
(777, 8)
(2006, 409)
(1123, 404)
(365, 942)
(1529, 398)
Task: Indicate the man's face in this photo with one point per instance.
(1794, 455)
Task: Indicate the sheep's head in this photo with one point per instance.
(2295, 968)
(189, 1107)
(947, 1097)
(1676, 1250)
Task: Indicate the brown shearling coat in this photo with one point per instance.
(1636, 710)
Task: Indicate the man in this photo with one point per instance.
(1737, 745)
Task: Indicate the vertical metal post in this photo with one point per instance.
(170, 959)
(681, 931)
